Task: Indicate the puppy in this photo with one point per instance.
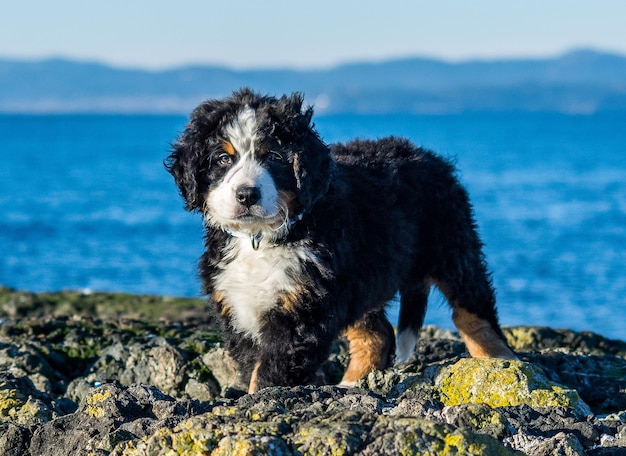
(305, 242)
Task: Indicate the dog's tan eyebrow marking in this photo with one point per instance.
(228, 148)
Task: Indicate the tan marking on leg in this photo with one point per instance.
(479, 337)
(254, 379)
(369, 351)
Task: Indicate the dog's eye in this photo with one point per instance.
(224, 160)
(275, 157)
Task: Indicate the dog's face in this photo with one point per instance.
(250, 163)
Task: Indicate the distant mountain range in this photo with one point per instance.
(581, 81)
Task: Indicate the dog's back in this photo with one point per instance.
(413, 203)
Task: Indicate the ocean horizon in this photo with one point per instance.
(86, 204)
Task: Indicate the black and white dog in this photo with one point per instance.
(305, 242)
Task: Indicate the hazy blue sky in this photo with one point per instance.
(314, 33)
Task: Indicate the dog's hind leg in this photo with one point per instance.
(371, 346)
(481, 337)
(413, 302)
(472, 299)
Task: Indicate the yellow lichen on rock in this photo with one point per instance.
(17, 408)
(521, 337)
(499, 383)
(183, 440)
(249, 446)
(9, 402)
(210, 434)
(94, 400)
(410, 436)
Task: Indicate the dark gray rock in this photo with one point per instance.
(599, 379)
(479, 417)
(550, 421)
(561, 444)
(107, 416)
(14, 439)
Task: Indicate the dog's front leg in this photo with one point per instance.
(244, 351)
(290, 350)
(371, 346)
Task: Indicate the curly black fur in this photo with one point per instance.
(374, 218)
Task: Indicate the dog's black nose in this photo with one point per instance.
(248, 196)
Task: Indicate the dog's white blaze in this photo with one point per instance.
(405, 345)
(242, 132)
(251, 280)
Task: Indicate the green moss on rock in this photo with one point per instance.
(14, 303)
(500, 383)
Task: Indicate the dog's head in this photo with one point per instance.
(251, 163)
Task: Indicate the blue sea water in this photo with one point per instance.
(85, 203)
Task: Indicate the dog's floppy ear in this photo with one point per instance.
(312, 162)
(185, 162)
(182, 163)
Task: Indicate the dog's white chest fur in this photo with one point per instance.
(252, 280)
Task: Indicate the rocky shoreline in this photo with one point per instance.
(115, 374)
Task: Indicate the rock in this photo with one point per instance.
(157, 363)
(561, 444)
(600, 380)
(223, 369)
(20, 304)
(22, 403)
(28, 359)
(480, 417)
(417, 436)
(540, 338)
(225, 430)
(78, 376)
(549, 421)
(14, 439)
(323, 426)
(107, 416)
(500, 383)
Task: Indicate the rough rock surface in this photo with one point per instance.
(112, 374)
